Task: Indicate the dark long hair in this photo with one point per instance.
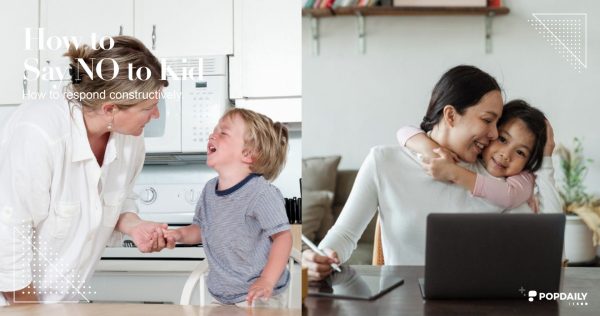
(535, 121)
(462, 87)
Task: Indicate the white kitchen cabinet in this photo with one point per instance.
(278, 109)
(185, 27)
(168, 28)
(266, 67)
(82, 19)
(15, 17)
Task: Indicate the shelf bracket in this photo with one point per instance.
(488, 32)
(360, 27)
(314, 31)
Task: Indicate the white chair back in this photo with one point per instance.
(198, 277)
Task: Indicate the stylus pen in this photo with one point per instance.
(319, 251)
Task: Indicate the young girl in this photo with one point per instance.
(515, 155)
(240, 217)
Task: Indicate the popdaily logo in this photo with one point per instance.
(573, 299)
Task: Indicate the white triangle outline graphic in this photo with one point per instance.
(584, 64)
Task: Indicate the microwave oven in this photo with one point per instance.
(189, 109)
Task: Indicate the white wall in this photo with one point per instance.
(352, 101)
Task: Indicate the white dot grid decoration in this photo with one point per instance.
(566, 33)
(50, 275)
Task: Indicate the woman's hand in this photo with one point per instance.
(319, 266)
(549, 147)
(441, 168)
(148, 236)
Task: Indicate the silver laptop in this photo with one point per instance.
(492, 256)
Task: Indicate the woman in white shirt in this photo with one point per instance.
(67, 170)
(465, 106)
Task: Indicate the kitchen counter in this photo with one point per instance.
(138, 309)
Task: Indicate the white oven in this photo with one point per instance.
(166, 194)
(189, 109)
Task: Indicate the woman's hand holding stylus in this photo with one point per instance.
(319, 266)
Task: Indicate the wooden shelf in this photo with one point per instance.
(361, 12)
(407, 11)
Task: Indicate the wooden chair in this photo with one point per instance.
(377, 248)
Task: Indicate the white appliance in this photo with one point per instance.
(165, 197)
(189, 109)
(124, 274)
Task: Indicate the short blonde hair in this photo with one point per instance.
(266, 140)
(126, 51)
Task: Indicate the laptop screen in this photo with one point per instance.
(492, 255)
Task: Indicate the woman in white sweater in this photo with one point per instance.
(465, 106)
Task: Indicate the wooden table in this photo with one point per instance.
(138, 309)
(406, 299)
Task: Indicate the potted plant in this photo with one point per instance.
(582, 231)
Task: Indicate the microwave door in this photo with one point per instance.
(163, 135)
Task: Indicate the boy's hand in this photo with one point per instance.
(261, 288)
(441, 168)
(172, 236)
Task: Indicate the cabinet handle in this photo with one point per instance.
(25, 89)
(154, 37)
(120, 29)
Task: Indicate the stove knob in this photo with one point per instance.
(148, 196)
(190, 196)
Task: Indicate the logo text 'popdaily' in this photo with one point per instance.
(563, 296)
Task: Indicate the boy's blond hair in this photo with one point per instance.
(266, 140)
